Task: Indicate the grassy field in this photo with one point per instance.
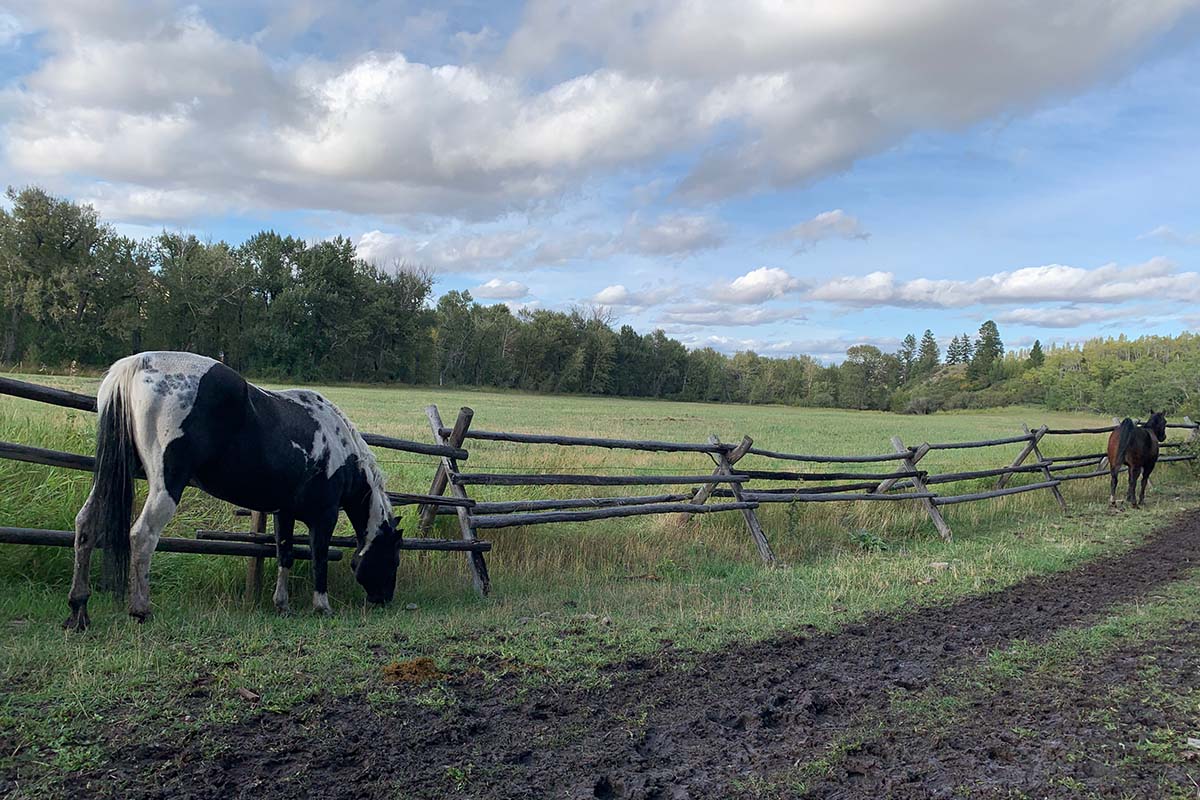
(632, 584)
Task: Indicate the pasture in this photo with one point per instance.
(572, 604)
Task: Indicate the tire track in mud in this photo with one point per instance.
(658, 732)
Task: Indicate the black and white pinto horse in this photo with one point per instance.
(183, 418)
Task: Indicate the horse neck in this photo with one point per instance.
(369, 505)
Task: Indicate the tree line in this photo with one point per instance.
(73, 291)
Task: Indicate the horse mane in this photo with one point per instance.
(366, 460)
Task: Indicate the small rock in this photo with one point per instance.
(606, 621)
(411, 607)
(939, 565)
(247, 695)
(1193, 743)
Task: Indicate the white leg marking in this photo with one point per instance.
(321, 603)
(143, 537)
(281, 590)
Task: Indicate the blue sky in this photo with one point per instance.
(787, 178)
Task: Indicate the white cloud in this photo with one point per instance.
(826, 349)
(451, 253)
(743, 96)
(1164, 233)
(756, 286)
(835, 224)
(1069, 316)
(673, 235)
(1156, 278)
(706, 314)
(618, 295)
(497, 289)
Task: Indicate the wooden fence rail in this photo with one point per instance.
(741, 490)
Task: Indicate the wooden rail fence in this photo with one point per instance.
(741, 490)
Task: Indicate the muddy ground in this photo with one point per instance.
(737, 722)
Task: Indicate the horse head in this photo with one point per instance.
(1157, 423)
(376, 563)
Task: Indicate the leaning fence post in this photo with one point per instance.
(429, 512)
(449, 468)
(1037, 451)
(725, 467)
(254, 564)
(910, 465)
(735, 455)
(1030, 446)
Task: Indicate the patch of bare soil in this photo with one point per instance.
(1112, 726)
(738, 716)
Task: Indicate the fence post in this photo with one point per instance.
(254, 564)
(429, 512)
(1037, 451)
(725, 463)
(735, 455)
(917, 455)
(1030, 446)
(449, 469)
(910, 465)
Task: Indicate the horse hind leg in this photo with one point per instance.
(1112, 490)
(1145, 483)
(81, 589)
(160, 507)
(284, 527)
(1131, 495)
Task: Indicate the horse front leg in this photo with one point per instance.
(1145, 482)
(284, 527)
(143, 539)
(319, 535)
(81, 588)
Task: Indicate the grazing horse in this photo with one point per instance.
(1136, 447)
(182, 418)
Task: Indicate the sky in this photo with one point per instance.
(784, 177)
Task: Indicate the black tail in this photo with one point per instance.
(112, 490)
(1124, 439)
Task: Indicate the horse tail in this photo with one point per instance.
(117, 465)
(1124, 439)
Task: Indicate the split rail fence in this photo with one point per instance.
(896, 476)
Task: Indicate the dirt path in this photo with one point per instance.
(659, 732)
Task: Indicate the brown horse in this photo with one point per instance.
(1136, 447)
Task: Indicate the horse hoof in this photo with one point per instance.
(283, 609)
(77, 622)
(140, 616)
(323, 612)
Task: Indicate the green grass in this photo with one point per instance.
(567, 599)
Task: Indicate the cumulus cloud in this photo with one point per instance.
(673, 235)
(497, 289)
(1165, 233)
(756, 286)
(824, 349)
(704, 314)
(449, 253)
(155, 95)
(1069, 316)
(1156, 278)
(618, 295)
(836, 224)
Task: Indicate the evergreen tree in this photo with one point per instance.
(965, 350)
(929, 355)
(988, 351)
(954, 351)
(907, 357)
(1036, 356)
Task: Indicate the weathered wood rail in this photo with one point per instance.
(902, 475)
